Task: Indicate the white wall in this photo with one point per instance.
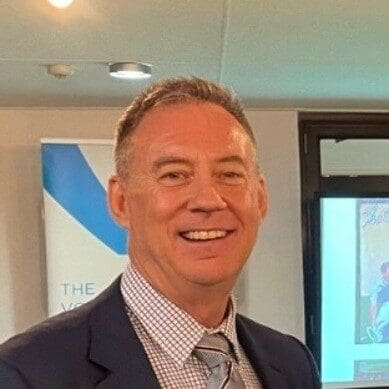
(274, 277)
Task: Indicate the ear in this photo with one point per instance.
(117, 201)
(263, 200)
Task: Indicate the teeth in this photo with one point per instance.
(204, 235)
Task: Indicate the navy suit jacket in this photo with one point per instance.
(95, 346)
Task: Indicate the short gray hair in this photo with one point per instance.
(173, 91)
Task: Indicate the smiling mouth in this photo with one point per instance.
(204, 235)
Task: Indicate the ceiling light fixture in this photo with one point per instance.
(60, 3)
(130, 70)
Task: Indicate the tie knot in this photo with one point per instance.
(213, 350)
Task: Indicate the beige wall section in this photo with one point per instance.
(274, 278)
(22, 266)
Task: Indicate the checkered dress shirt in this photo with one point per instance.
(169, 335)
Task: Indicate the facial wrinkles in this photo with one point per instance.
(172, 241)
(240, 144)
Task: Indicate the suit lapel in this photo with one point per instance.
(115, 346)
(269, 374)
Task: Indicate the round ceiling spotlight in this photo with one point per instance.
(130, 70)
(60, 3)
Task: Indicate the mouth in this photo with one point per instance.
(204, 235)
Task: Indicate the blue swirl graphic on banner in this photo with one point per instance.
(73, 184)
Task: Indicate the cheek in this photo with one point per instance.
(249, 213)
(245, 201)
(164, 205)
(154, 206)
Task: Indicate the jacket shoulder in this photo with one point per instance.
(62, 340)
(48, 335)
(268, 337)
(283, 352)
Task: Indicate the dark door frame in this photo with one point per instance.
(312, 128)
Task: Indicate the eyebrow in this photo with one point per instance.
(162, 161)
(232, 158)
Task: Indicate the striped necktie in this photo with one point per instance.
(215, 351)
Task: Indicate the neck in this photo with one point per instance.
(207, 304)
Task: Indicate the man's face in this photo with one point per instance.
(193, 199)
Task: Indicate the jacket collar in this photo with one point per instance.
(115, 346)
(268, 371)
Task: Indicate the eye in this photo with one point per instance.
(172, 175)
(232, 177)
(231, 174)
(173, 178)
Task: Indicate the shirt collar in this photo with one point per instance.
(173, 329)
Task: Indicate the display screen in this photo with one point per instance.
(354, 245)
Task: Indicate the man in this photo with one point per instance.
(379, 307)
(188, 189)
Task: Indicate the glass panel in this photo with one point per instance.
(354, 157)
(355, 292)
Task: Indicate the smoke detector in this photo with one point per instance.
(60, 70)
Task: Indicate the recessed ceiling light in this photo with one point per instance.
(130, 70)
(60, 3)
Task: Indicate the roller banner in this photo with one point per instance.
(85, 248)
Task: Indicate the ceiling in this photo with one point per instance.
(276, 54)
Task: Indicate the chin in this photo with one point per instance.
(212, 277)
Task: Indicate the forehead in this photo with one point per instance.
(207, 127)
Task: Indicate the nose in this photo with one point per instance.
(206, 198)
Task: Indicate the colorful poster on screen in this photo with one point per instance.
(85, 248)
(354, 245)
(373, 302)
